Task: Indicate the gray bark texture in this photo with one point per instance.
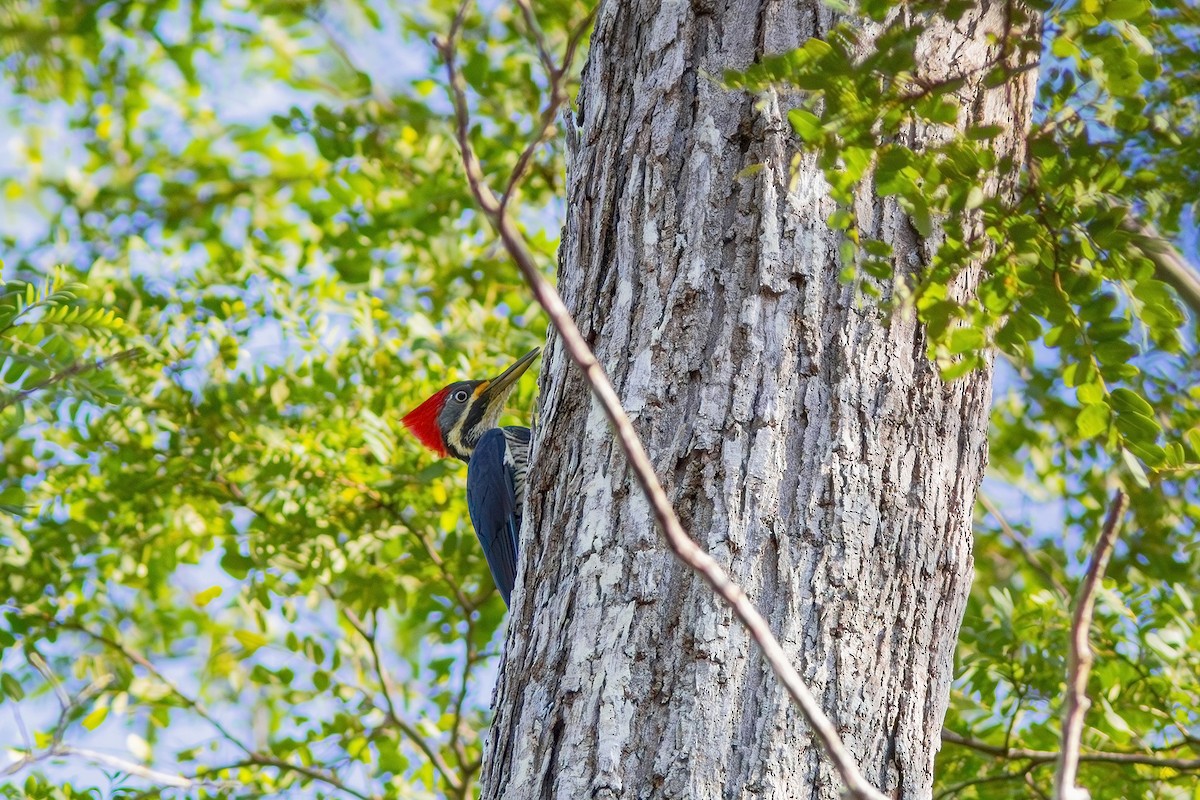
(808, 446)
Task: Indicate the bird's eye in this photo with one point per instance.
(460, 396)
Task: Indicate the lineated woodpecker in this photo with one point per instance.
(460, 421)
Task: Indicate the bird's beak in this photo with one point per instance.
(499, 387)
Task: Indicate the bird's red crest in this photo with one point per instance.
(422, 421)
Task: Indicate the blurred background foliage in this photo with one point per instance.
(222, 553)
(238, 246)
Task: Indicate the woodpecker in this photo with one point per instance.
(460, 421)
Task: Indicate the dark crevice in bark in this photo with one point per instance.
(547, 778)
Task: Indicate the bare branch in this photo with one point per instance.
(1169, 263)
(1031, 782)
(468, 605)
(535, 30)
(1050, 756)
(265, 760)
(1079, 656)
(393, 715)
(460, 699)
(685, 549)
(1031, 554)
(558, 97)
(982, 780)
(253, 757)
(140, 660)
(483, 193)
(37, 662)
(70, 371)
(21, 729)
(155, 776)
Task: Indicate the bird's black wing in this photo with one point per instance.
(492, 503)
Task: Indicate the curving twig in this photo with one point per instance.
(392, 707)
(684, 548)
(1169, 264)
(157, 777)
(70, 371)
(1079, 656)
(1032, 555)
(252, 757)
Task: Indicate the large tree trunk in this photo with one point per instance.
(813, 450)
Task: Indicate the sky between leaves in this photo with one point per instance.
(269, 195)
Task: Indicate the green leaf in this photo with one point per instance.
(1193, 438)
(985, 132)
(1125, 9)
(1138, 427)
(806, 125)
(1126, 400)
(1090, 393)
(206, 596)
(956, 369)
(139, 747)
(964, 340)
(250, 640)
(11, 686)
(1149, 452)
(975, 197)
(921, 220)
(95, 718)
(1135, 469)
(1092, 420)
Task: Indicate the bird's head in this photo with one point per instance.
(453, 419)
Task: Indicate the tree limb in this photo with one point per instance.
(684, 548)
(70, 371)
(1031, 554)
(1079, 656)
(1050, 756)
(1169, 263)
(252, 756)
(393, 715)
(157, 777)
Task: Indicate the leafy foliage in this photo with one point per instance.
(233, 573)
(231, 558)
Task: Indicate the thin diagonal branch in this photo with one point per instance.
(138, 659)
(447, 47)
(157, 777)
(557, 98)
(1079, 656)
(468, 605)
(19, 721)
(1031, 554)
(684, 548)
(70, 371)
(1169, 263)
(539, 37)
(435, 758)
(460, 699)
(1031, 782)
(983, 780)
(38, 663)
(265, 760)
(253, 757)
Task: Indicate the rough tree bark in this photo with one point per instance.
(807, 445)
